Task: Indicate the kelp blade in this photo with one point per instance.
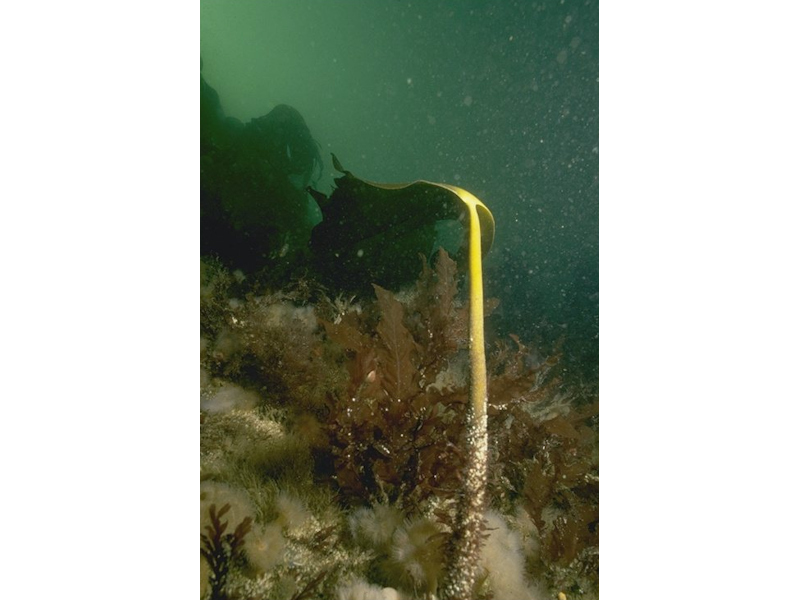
(374, 232)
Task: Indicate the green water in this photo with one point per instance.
(500, 98)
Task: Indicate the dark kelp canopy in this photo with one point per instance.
(375, 232)
(254, 208)
(257, 216)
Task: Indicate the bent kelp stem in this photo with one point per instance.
(463, 549)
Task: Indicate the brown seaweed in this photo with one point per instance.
(221, 550)
(382, 384)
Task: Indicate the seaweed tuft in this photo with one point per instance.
(223, 551)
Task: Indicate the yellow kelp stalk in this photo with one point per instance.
(462, 554)
(369, 231)
(463, 549)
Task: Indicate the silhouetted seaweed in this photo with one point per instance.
(222, 551)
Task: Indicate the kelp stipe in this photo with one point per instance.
(463, 547)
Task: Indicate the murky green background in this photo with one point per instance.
(500, 98)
